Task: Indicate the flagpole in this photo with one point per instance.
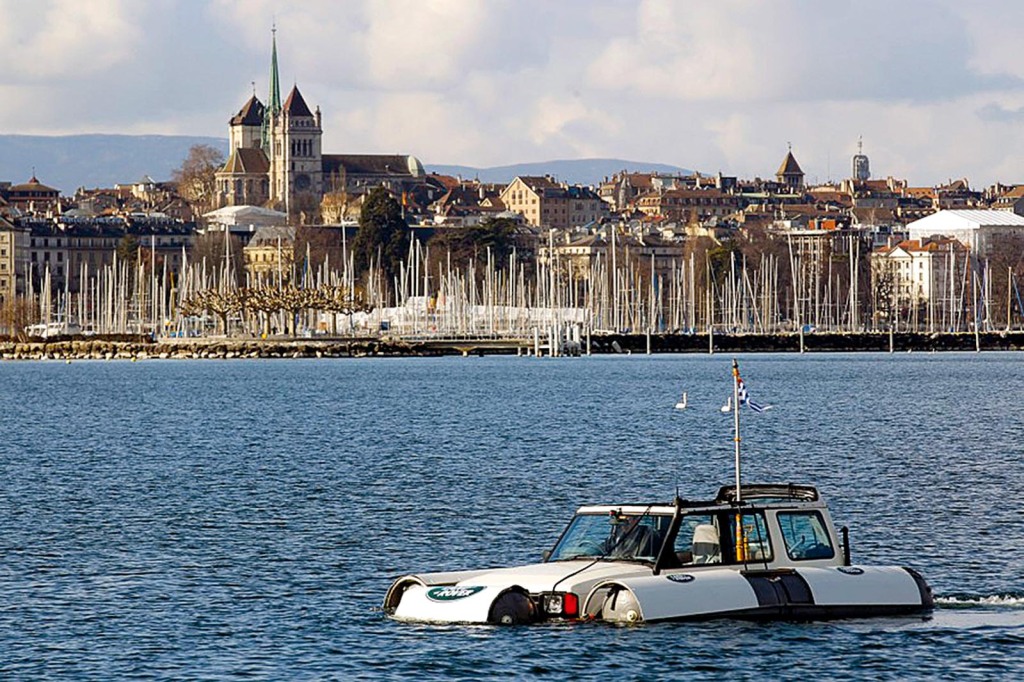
(736, 421)
(741, 553)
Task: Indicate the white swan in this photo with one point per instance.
(728, 405)
(681, 405)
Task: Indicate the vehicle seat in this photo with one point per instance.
(705, 548)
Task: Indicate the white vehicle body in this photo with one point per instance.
(775, 555)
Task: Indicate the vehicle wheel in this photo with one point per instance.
(620, 606)
(512, 608)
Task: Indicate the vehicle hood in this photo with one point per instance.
(561, 575)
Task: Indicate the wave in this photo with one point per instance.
(962, 600)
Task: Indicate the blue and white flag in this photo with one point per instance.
(745, 397)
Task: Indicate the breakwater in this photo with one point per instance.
(132, 347)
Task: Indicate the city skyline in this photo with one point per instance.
(936, 89)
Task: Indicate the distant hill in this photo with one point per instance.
(575, 172)
(68, 162)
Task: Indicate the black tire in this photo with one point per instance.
(512, 608)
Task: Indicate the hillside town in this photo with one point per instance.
(640, 250)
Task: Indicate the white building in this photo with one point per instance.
(918, 271)
(979, 230)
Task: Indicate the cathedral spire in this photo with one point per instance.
(275, 84)
(274, 98)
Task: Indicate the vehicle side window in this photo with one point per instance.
(751, 538)
(805, 536)
(697, 541)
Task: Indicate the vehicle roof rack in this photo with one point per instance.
(768, 491)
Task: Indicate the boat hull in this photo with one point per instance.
(513, 596)
(788, 594)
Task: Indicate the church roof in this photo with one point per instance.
(251, 113)
(295, 105)
(367, 164)
(790, 166)
(247, 160)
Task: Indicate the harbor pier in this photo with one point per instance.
(143, 347)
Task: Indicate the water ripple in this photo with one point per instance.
(242, 520)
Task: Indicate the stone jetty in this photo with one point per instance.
(132, 347)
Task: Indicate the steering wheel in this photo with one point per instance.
(798, 548)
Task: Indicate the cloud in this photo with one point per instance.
(1000, 114)
(57, 40)
(741, 52)
(934, 86)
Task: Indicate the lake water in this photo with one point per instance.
(243, 519)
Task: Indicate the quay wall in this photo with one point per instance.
(130, 347)
(813, 343)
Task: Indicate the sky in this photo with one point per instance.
(935, 88)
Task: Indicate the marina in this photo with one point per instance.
(200, 525)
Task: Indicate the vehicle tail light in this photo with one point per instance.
(570, 605)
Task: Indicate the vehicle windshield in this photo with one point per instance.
(619, 536)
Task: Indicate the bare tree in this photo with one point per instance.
(210, 246)
(196, 177)
(16, 313)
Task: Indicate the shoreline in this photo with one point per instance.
(134, 347)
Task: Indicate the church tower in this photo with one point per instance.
(790, 175)
(246, 126)
(292, 139)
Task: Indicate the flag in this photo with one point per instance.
(745, 399)
(744, 396)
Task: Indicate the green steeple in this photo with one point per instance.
(274, 99)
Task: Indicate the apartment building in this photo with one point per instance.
(545, 203)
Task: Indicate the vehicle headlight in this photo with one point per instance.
(553, 604)
(563, 604)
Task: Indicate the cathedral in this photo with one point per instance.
(276, 160)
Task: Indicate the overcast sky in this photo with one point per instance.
(936, 88)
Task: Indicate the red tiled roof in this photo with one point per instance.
(247, 160)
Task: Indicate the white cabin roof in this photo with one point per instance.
(966, 219)
(246, 215)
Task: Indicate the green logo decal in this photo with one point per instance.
(451, 592)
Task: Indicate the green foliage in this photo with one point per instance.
(472, 243)
(721, 257)
(128, 249)
(383, 234)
